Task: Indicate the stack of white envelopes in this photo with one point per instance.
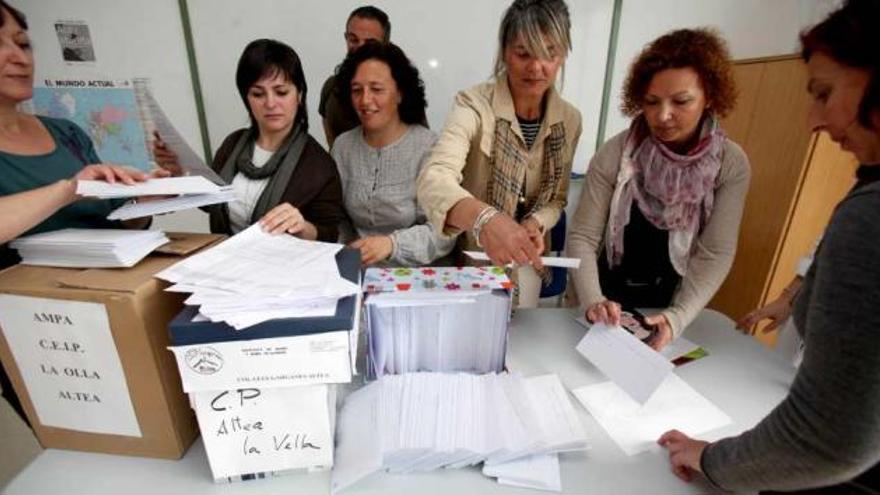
(186, 192)
(254, 277)
(88, 248)
(426, 421)
(443, 319)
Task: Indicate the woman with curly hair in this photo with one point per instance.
(658, 219)
(380, 159)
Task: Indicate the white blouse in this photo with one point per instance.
(247, 193)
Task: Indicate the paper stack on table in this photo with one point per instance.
(255, 277)
(189, 192)
(427, 421)
(436, 319)
(88, 248)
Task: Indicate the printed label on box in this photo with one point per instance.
(265, 363)
(69, 363)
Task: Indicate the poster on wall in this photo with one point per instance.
(69, 364)
(75, 41)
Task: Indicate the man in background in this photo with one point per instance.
(364, 24)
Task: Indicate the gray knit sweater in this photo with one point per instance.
(379, 193)
(827, 430)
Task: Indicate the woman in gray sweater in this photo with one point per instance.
(658, 218)
(380, 159)
(827, 430)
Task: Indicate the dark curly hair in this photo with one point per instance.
(701, 49)
(847, 36)
(412, 90)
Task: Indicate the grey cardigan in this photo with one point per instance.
(827, 430)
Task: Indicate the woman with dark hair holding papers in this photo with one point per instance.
(282, 177)
(824, 437)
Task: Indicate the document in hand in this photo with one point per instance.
(152, 187)
(632, 365)
(636, 427)
(427, 421)
(128, 211)
(436, 319)
(88, 248)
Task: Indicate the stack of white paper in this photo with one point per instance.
(189, 192)
(427, 421)
(437, 331)
(636, 427)
(88, 248)
(254, 277)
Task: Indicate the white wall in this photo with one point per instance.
(461, 46)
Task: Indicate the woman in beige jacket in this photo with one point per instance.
(658, 219)
(499, 172)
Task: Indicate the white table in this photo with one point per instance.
(740, 376)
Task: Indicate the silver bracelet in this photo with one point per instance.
(483, 218)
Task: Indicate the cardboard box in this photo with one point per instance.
(85, 350)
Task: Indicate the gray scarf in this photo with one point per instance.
(279, 169)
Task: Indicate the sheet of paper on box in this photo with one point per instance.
(628, 362)
(255, 277)
(262, 430)
(69, 363)
(635, 427)
(88, 248)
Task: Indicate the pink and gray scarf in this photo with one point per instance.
(674, 192)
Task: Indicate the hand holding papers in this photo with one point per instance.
(88, 248)
(193, 191)
(623, 358)
(426, 421)
(152, 187)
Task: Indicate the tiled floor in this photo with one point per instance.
(18, 446)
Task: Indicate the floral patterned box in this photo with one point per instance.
(435, 278)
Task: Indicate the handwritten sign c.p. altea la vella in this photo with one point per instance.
(251, 430)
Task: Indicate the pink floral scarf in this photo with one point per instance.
(674, 192)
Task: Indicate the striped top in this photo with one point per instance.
(529, 130)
